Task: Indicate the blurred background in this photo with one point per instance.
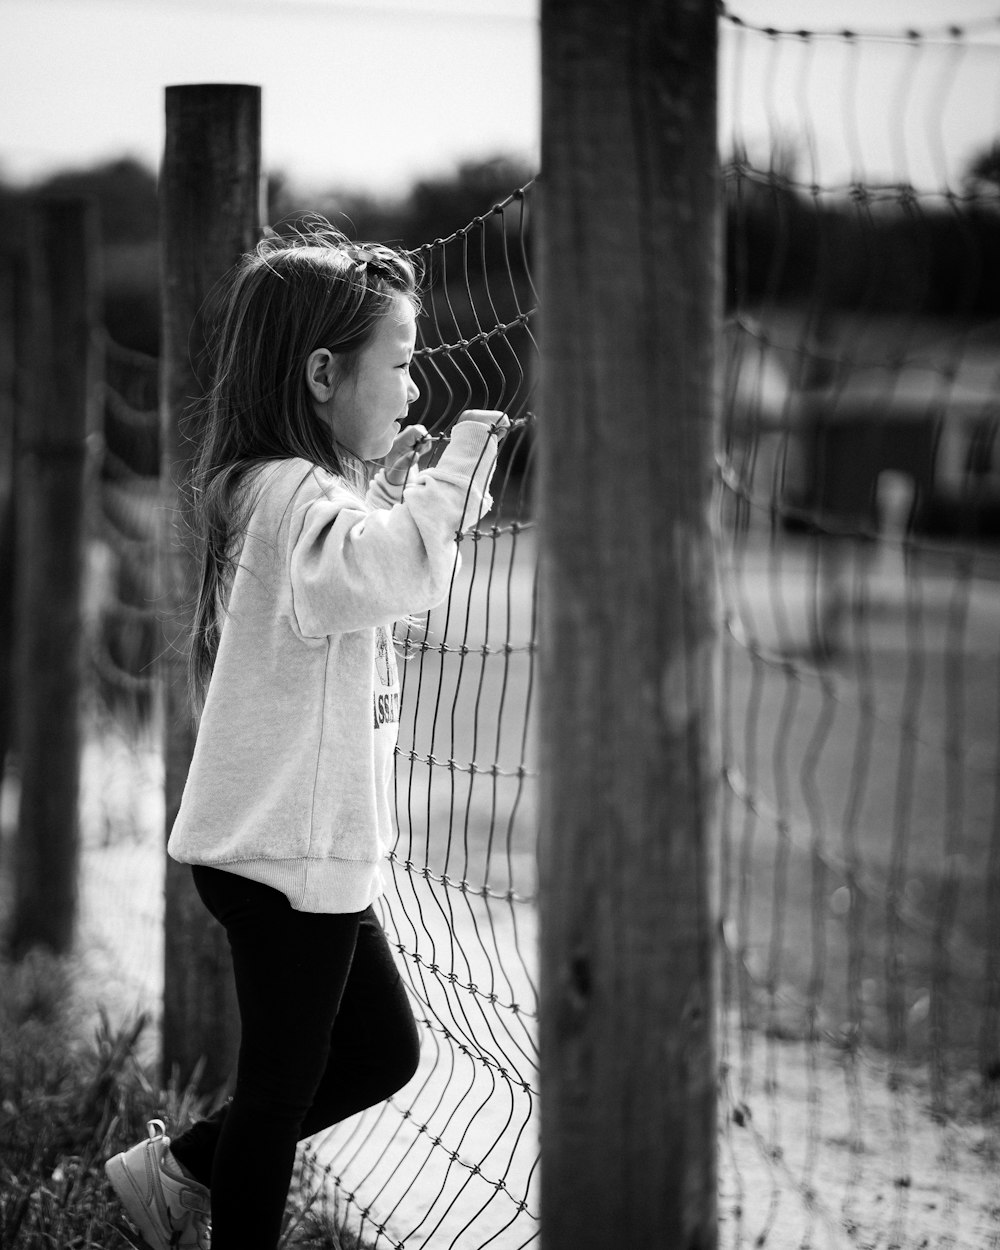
(857, 518)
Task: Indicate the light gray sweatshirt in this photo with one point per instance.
(290, 781)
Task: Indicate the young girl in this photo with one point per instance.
(308, 560)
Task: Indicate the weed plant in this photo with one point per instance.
(68, 1104)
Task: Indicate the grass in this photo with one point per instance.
(67, 1104)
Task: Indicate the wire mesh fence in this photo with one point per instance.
(122, 810)
(451, 1160)
(858, 525)
(858, 507)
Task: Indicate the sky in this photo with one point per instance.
(371, 94)
(882, 108)
(365, 95)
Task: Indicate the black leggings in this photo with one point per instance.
(326, 1030)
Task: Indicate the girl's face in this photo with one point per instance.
(365, 409)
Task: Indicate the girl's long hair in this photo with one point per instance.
(290, 296)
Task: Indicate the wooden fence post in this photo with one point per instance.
(209, 216)
(630, 288)
(55, 415)
(11, 287)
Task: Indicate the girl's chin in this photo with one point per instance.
(387, 442)
(374, 450)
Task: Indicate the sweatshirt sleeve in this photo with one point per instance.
(354, 563)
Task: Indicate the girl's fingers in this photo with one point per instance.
(407, 447)
(412, 441)
(407, 442)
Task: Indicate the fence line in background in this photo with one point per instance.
(53, 422)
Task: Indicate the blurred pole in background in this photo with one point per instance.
(11, 332)
(55, 401)
(209, 216)
(630, 288)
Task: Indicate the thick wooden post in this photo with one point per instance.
(209, 216)
(630, 282)
(55, 414)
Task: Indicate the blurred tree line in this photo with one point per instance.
(888, 249)
(865, 248)
(126, 195)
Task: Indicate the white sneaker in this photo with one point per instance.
(169, 1209)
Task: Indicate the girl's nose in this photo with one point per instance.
(412, 391)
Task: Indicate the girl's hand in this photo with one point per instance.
(498, 422)
(407, 448)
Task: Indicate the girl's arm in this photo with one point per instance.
(354, 564)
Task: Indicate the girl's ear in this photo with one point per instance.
(321, 374)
